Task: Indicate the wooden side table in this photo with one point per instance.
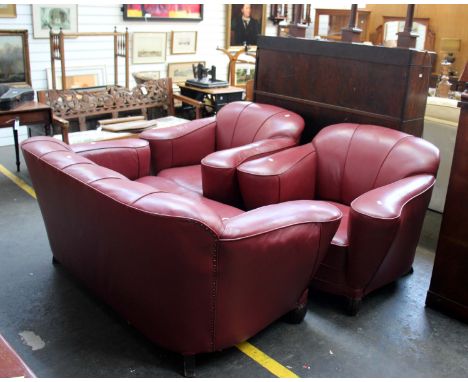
(218, 97)
(27, 113)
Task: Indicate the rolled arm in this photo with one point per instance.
(263, 250)
(280, 177)
(219, 168)
(384, 226)
(388, 201)
(130, 157)
(181, 145)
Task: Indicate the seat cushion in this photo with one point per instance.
(161, 184)
(341, 236)
(187, 176)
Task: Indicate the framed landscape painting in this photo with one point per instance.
(184, 42)
(155, 12)
(54, 16)
(149, 47)
(14, 58)
(181, 71)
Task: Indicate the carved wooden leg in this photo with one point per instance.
(354, 304)
(189, 366)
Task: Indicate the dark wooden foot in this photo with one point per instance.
(55, 261)
(189, 366)
(296, 316)
(354, 304)
(410, 272)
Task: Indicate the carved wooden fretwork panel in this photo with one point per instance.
(70, 104)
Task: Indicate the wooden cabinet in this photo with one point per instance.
(448, 291)
(329, 82)
(329, 22)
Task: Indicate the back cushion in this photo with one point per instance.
(354, 159)
(240, 123)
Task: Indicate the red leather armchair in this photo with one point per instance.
(203, 155)
(380, 179)
(192, 274)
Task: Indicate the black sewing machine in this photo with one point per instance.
(201, 79)
(11, 96)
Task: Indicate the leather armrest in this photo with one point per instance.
(182, 145)
(386, 221)
(219, 168)
(129, 157)
(280, 177)
(388, 201)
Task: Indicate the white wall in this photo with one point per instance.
(98, 51)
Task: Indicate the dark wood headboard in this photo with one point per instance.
(331, 82)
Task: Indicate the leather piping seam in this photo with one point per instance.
(278, 228)
(265, 121)
(426, 188)
(104, 178)
(282, 172)
(386, 157)
(55, 151)
(47, 140)
(346, 159)
(149, 139)
(214, 294)
(190, 220)
(237, 121)
(110, 148)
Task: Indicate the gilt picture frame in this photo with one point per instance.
(15, 68)
(237, 33)
(181, 71)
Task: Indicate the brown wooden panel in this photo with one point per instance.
(331, 82)
(449, 286)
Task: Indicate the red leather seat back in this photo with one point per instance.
(240, 123)
(354, 159)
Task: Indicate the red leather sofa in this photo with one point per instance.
(192, 274)
(203, 155)
(380, 179)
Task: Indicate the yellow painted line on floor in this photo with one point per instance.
(18, 181)
(248, 349)
(265, 361)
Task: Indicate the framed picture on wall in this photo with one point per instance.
(244, 73)
(181, 71)
(155, 12)
(244, 23)
(7, 10)
(149, 47)
(80, 77)
(54, 16)
(14, 58)
(184, 42)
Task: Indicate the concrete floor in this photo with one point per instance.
(394, 335)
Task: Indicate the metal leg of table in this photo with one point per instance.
(15, 137)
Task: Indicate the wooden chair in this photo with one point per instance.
(81, 105)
